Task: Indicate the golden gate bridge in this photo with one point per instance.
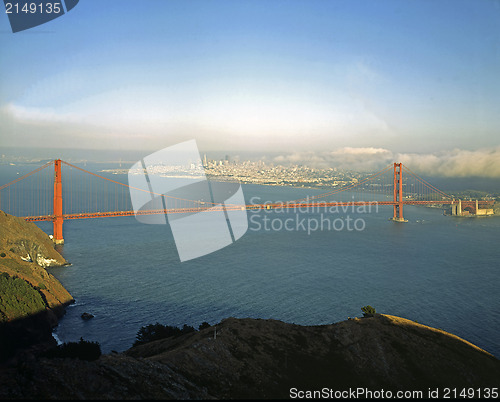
(43, 195)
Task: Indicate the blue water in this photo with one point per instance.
(439, 270)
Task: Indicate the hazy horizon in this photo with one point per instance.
(437, 178)
(325, 83)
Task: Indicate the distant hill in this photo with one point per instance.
(252, 358)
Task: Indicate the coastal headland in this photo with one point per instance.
(31, 299)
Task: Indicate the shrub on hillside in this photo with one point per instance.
(204, 325)
(368, 310)
(83, 350)
(153, 332)
(18, 298)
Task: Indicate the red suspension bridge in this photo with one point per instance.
(43, 195)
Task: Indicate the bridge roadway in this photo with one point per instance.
(233, 207)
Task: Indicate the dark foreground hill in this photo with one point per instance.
(252, 358)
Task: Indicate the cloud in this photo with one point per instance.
(361, 151)
(120, 109)
(450, 163)
(455, 163)
(255, 114)
(41, 115)
(359, 159)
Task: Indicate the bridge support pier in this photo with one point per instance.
(398, 193)
(456, 209)
(58, 210)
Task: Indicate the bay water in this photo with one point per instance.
(439, 270)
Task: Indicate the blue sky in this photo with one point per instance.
(301, 77)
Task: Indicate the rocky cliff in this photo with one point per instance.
(252, 358)
(31, 298)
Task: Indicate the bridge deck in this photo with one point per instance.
(249, 207)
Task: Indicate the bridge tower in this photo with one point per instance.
(398, 193)
(58, 209)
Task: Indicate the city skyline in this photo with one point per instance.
(339, 82)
